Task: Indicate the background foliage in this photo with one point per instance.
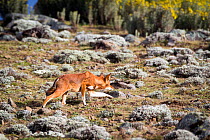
(136, 16)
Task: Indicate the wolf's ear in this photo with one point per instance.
(108, 77)
(101, 75)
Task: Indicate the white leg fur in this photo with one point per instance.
(84, 100)
(100, 94)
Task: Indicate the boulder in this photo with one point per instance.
(180, 135)
(23, 24)
(197, 123)
(93, 38)
(18, 129)
(5, 116)
(191, 71)
(148, 112)
(6, 37)
(89, 132)
(156, 62)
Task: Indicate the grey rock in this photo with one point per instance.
(117, 94)
(156, 62)
(5, 116)
(8, 38)
(132, 125)
(201, 54)
(67, 67)
(59, 39)
(91, 132)
(47, 73)
(180, 135)
(7, 107)
(48, 134)
(51, 123)
(191, 71)
(130, 38)
(56, 105)
(147, 112)
(156, 95)
(169, 123)
(116, 56)
(7, 80)
(22, 24)
(159, 51)
(106, 114)
(194, 81)
(23, 114)
(64, 34)
(196, 123)
(139, 84)
(18, 129)
(36, 40)
(87, 38)
(81, 119)
(138, 138)
(135, 73)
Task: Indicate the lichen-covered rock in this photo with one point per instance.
(3, 137)
(55, 105)
(130, 38)
(22, 24)
(8, 71)
(59, 39)
(106, 114)
(132, 125)
(116, 56)
(7, 80)
(59, 124)
(156, 62)
(8, 37)
(156, 94)
(191, 71)
(180, 135)
(71, 56)
(48, 134)
(18, 129)
(67, 67)
(138, 138)
(47, 73)
(23, 114)
(135, 73)
(36, 40)
(122, 85)
(159, 51)
(91, 132)
(130, 72)
(87, 38)
(197, 123)
(51, 123)
(5, 116)
(148, 112)
(139, 84)
(194, 81)
(182, 51)
(7, 107)
(171, 38)
(117, 94)
(64, 34)
(81, 119)
(201, 54)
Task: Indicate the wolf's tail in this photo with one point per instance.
(52, 89)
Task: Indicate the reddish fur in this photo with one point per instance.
(76, 83)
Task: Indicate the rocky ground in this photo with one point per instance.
(161, 89)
